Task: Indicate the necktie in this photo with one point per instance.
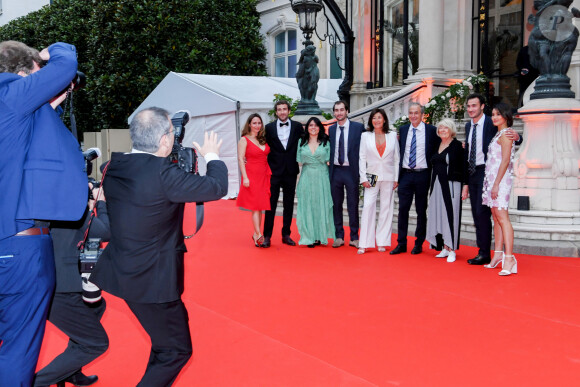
(341, 146)
(473, 150)
(413, 152)
(284, 123)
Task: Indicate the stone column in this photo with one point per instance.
(431, 39)
(457, 39)
(574, 70)
(362, 54)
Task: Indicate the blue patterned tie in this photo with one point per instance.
(473, 150)
(413, 152)
(341, 146)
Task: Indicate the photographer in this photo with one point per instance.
(143, 263)
(79, 320)
(42, 179)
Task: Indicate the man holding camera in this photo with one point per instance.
(42, 178)
(143, 262)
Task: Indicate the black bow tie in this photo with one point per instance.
(284, 123)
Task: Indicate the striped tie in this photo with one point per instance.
(413, 153)
(473, 150)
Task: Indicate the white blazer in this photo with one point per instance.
(386, 167)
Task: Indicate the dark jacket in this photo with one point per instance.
(355, 130)
(145, 194)
(432, 142)
(283, 161)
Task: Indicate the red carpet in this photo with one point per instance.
(294, 316)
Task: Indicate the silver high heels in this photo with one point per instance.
(492, 264)
(514, 268)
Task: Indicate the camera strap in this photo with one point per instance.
(199, 211)
(81, 244)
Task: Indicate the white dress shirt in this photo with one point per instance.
(421, 159)
(346, 127)
(283, 132)
(479, 156)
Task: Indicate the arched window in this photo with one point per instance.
(285, 54)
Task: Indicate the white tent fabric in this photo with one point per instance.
(222, 104)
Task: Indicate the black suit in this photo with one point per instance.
(79, 321)
(415, 184)
(143, 263)
(342, 177)
(285, 170)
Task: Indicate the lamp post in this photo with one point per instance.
(308, 74)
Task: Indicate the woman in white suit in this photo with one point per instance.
(379, 157)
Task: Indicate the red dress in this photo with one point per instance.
(256, 197)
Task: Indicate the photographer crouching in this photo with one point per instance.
(42, 178)
(143, 262)
(74, 311)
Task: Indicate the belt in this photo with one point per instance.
(34, 231)
(415, 170)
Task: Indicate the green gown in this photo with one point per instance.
(314, 215)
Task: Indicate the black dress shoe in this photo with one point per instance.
(288, 241)
(479, 260)
(417, 250)
(80, 379)
(266, 242)
(316, 243)
(311, 246)
(399, 249)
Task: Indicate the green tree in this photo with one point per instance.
(127, 47)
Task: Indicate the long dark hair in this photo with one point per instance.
(371, 128)
(322, 136)
(505, 111)
(261, 137)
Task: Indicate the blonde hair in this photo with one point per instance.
(449, 124)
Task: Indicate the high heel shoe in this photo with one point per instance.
(381, 249)
(493, 264)
(444, 253)
(360, 251)
(258, 241)
(514, 268)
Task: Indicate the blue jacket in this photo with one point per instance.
(41, 165)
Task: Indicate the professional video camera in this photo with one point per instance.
(87, 260)
(185, 158)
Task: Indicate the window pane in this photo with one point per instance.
(280, 43)
(291, 40)
(335, 71)
(280, 70)
(292, 66)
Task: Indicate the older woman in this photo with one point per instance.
(253, 161)
(379, 164)
(444, 216)
(497, 187)
(314, 213)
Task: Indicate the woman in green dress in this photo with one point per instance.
(314, 216)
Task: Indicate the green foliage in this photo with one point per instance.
(127, 47)
(293, 106)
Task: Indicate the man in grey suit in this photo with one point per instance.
(344, 158)
(143, 262)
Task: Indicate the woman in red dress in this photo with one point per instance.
(253, 160)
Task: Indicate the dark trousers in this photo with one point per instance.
(288, 185)
(342, 178)
(87, 337)
(481, 213)
(413, 184)
(167, 325)
(27, 278)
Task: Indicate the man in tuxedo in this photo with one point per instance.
(344, 158)
(282, 137)
(42, 178)
(143, 263)
(479, 133)
(418, 142)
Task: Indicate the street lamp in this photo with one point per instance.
(308, 74)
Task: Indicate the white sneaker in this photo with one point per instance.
(451, 257)
(444, 253)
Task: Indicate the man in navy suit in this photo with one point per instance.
(479, 131)
(42, 178)
(344, 158)
(418, 141)
(282, 137)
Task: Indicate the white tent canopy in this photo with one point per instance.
(222, 104)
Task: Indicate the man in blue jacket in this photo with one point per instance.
(42, 179)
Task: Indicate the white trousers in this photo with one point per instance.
(383, 189)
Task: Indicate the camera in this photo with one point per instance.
(90, 155)
(87, 260)
(96, 184)
(185, 158)
(78, 82)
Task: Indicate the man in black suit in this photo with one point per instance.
(80, 321)
(475, 158)
(344, 158)
(418, 141)
(282, 137)
(143, 262)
